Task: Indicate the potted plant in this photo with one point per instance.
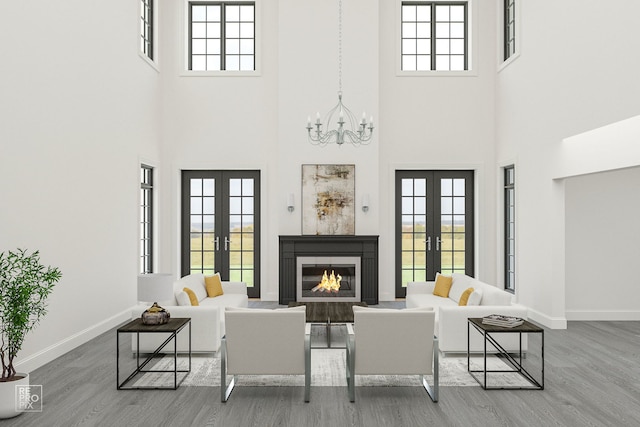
(25, 285)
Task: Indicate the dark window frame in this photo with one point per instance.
(509, 228)
(147, 27)
(509, 28)
(433, 214)
(222, 230)
(146, 219)
(433, 39)
(223, 35)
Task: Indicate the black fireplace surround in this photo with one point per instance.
(365, 247)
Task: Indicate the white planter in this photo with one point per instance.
(8, 396)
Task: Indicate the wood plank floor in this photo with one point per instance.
(592, 378)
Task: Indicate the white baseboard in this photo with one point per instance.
(610, 315)
(269, 296)
(56, 350)
(548, 321)
(387, 296)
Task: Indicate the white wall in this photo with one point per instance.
(78, 109)
(259, 122)
(568, 79)
(602, 245)
(438, 122)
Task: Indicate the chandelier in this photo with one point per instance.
(347, 128)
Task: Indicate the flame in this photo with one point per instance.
(328, 284)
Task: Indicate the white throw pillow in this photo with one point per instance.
(475, 297)
(459, 284)
(182, 298)
(195, 282)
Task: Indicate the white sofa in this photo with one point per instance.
(451, 319)
(207, 319)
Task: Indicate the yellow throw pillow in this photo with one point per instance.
(213, 285)
(443, 285)
(465, 296)
(192, 296)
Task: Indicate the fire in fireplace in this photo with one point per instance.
(328, 284)
(328, 278)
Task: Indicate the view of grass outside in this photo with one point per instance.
(414, 251)
(240, 254)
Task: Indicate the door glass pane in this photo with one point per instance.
(446, 187)
(196, 187)
(208, 205)
(407, 205)
(235, 187)
(247, 187)
(241, 229)
(235, 205)
(407, 187)
(458, 187)
(407, 242)
(196, 205)
(196, 241)
(414, 219)
(202, 225)
(208, 223)
(452, 226)
(208, 187)
(208, 241)
(207, 260)
(420, 205)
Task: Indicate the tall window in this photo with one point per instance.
(146, 216)
(509, 229)
(222, 36)
(434, 36)
(146, 28)
(509, 28)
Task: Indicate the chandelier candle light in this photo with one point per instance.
(355, 132)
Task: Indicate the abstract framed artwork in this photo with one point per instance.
(328, 199)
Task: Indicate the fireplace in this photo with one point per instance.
(328, 279)
(363, 250)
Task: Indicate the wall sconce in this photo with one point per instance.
(291, 203)
(365, 202)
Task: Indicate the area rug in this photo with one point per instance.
(328, 369)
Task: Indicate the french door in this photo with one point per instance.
(221, 225)
(434, 225)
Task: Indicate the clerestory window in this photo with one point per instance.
(509, 29)
(434, 36)
(222, 36)
(146, 28)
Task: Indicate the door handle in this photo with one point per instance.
(428, 242)
(217, 242)
(438, 241)
(227, 241)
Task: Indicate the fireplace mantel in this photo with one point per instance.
(365, 247)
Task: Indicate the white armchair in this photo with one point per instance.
(265, 342)
(392, 342)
